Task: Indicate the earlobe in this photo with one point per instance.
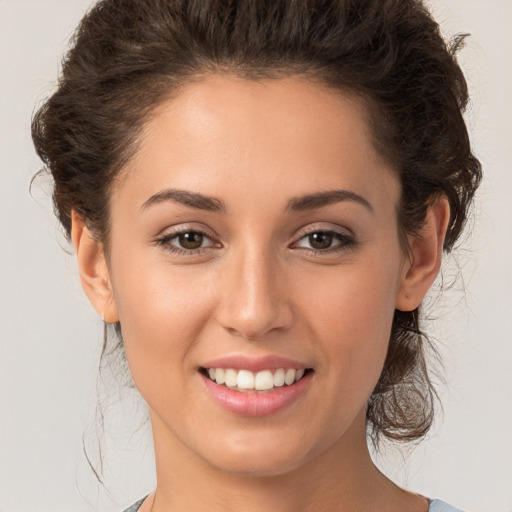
(93, 270)
(425, 255)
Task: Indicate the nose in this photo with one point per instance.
(254, 300)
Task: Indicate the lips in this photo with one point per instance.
(255, 386)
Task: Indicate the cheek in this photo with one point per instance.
(358, 298)
(351, 314)
(162, 311)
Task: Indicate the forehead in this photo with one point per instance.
(291, 133)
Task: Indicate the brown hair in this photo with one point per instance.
(127, 56)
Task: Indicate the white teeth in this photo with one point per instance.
(279, 378)
(289, 377)
(231, 378)
(220, 375)
(245, 379)
(264, 380)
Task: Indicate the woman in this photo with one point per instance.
(259, 195)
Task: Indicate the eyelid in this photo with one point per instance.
(184, 228)
(333, 229)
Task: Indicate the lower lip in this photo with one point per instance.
(257, 404)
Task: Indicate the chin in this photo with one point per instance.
(258, 459)
(257, 467)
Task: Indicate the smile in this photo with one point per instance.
(255, 394)
(248, 381)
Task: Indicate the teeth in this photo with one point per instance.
(260, 381)
(245, 379)
(289, 377)
(231, 378)
(264, 380)
(220, 375)
(279, 378)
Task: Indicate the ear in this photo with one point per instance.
(93, 270)
(425, 255)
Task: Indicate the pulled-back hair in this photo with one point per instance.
(128, 56)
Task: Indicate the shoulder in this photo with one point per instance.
(135, 506)
(441, 506)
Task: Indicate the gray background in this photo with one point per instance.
(50, 336)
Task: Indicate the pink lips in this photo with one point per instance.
(254, 404)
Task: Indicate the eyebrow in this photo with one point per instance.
(319, 199)
(192, 199)
(295, 204)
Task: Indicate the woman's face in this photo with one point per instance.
(255, 229)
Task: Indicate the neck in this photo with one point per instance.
(341, 479)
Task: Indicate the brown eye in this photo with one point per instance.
(187, 242)
(190, 240)
(324, 242)
(320, 239)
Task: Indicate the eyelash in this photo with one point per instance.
(346, 242)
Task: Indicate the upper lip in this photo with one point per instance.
(254, 364)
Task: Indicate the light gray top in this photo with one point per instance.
(435, 506)
(441, 506)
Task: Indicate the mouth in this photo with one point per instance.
(263, 381)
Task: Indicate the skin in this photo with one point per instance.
(256, 287)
